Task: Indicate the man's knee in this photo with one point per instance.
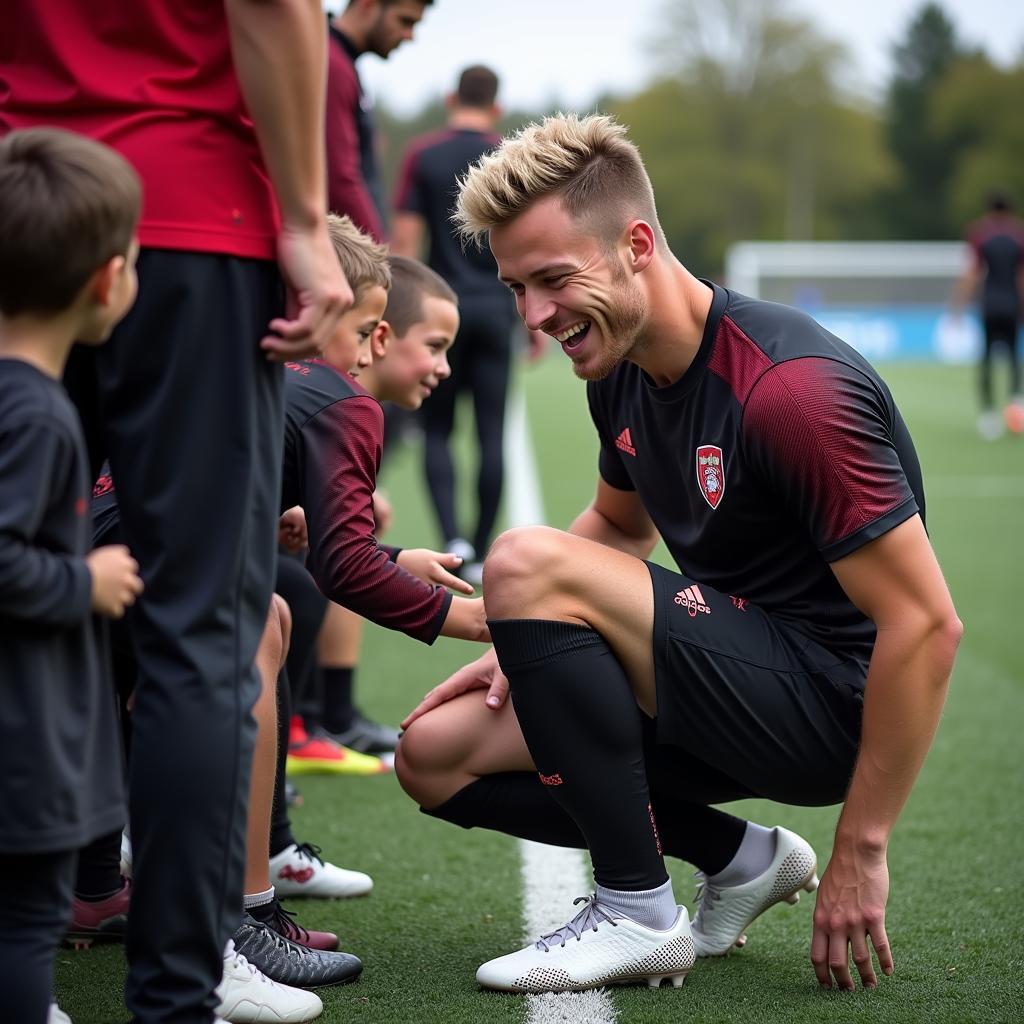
(430, 755)
(523, 564)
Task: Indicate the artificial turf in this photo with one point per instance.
(446, 899)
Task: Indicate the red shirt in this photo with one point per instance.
(347, 189)
(154, 79)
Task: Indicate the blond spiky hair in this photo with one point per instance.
(364, 261)
(587, 160)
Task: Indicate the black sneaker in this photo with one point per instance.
(288, 963)
(367, 737)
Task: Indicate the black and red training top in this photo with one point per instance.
(779, 451)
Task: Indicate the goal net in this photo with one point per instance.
(889, 300)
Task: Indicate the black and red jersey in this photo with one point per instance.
(334, 434)
(428, 185)
(997, 242)
(333, 441)
(779, 451)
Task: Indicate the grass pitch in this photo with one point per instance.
(447, 899)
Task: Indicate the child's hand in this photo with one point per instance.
(434, 567)
(291, 530)
(115, 579)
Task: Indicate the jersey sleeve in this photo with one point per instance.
(609, 461)
(37, 585)
(341, 453)
(822, 436)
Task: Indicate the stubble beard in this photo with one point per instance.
(621, 331)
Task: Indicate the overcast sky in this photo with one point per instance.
(570, 51)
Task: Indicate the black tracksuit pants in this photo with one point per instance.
(190, 414)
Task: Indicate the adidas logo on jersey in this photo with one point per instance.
(692, 600)
(624, 442)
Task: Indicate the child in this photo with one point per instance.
(68, 214)
(333, 439)
(402, 362)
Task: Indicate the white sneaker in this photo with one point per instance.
(595, 948)
(990, 425)
(461, 547)
(249, 997)
(723, 912)
(298, 870)
(57, 1015)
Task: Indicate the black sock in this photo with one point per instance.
(514, 803)
(99, 869)
(264, 912)
(705, 836)
(583, 728)
(517, 804)
(339, 711)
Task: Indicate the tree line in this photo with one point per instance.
(749, 133)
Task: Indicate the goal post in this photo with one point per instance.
(889, 300)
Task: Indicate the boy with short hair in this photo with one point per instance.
(402, 363)
(333, 439)
(68, 214)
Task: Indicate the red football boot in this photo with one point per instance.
(99, 921)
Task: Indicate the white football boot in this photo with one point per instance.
(723, 912)
(247, 996)
(595, 948)
(57, 1015)
(298, 870)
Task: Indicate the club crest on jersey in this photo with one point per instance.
(711, 473)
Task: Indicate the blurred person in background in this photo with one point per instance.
(996, 270)
(353, 178)
(481, 362)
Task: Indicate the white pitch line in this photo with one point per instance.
(552, 876)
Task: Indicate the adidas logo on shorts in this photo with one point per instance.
(693, 601)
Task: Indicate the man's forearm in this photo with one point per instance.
(280, 54)
(906, 689)
(590, 523)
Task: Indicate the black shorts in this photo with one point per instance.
(747, 706)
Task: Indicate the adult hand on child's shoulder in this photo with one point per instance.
(115, 579)
(482, 674)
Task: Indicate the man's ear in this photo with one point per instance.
(100, 286)
(380, 339)
(641, 242)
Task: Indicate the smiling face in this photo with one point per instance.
(570, 283)
(417, 362)
(349, 348)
